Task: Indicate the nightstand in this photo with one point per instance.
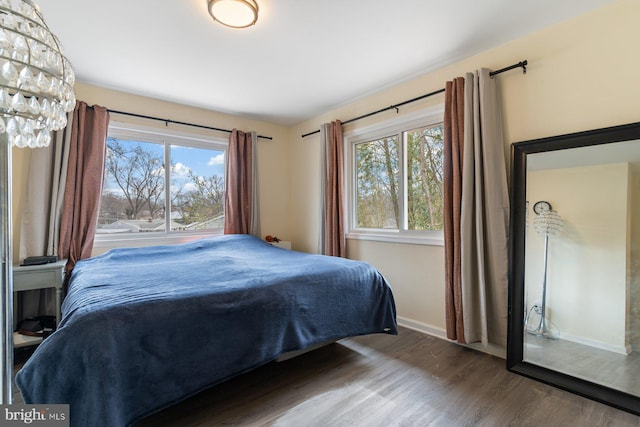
(29, 277)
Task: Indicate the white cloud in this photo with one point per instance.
(189, 186)
(181, 170)
(114, 191)
(216, 160)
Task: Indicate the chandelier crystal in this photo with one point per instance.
(36, 80)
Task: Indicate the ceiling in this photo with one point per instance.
(301, 59)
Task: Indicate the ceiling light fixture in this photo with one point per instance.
(234, 13)
(36, 80)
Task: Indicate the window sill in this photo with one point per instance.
(391, 237)
(147, 239)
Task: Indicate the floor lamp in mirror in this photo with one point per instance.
(36, 93)
(547, 223)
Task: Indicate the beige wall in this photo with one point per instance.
(633, 265)
(582, 75)
(587, 261)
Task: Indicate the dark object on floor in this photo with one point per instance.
(37, 326)
(47, 322)
(30, 327)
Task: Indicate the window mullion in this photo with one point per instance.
(167, 187)
(404, 177)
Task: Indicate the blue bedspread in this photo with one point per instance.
(144, 328)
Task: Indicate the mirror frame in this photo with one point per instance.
(517, 229)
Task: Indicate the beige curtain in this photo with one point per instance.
(332, 238)
(84, 182)
(40, 221)
(476, 235)
(241, 213)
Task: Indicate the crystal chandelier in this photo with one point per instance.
(36, 80)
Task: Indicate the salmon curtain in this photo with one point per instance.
(240, 204)
(83, 187)
(332, 238)
(453, 154)
(476, 212)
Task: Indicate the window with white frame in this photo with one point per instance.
(395, 187)
(160, 183)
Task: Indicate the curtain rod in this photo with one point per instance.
(521, 64)
(167, 121)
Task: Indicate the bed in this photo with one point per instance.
(144, 328)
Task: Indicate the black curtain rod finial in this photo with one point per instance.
(521, 64)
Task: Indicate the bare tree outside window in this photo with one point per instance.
(398, 181)
(134, 193)
(197, 199)
(424, 178)
(137, 168)
(377, 183)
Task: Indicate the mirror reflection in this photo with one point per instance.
(582, 263)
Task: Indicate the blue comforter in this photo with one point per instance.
(144, 328)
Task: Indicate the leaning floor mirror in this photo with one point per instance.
(574, 286)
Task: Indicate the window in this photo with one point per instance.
(396, 181)
(160, 183)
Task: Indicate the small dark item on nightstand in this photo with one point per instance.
(38, 260)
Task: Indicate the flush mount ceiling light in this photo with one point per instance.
(234, 13)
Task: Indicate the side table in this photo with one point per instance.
(42, 276)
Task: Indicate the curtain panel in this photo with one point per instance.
(477, 212)
(40, 221)
(332, 237)
(453, 154)
(241, 213)
(40, 227)
(84, 178)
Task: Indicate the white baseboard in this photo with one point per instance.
(492, 349)
(422, 327)
(620, 349)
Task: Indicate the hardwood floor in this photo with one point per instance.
(610, 369)
(407, 380)
(381, 380)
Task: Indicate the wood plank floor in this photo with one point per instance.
(407, 380)
(610, 369)
(381, 380)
